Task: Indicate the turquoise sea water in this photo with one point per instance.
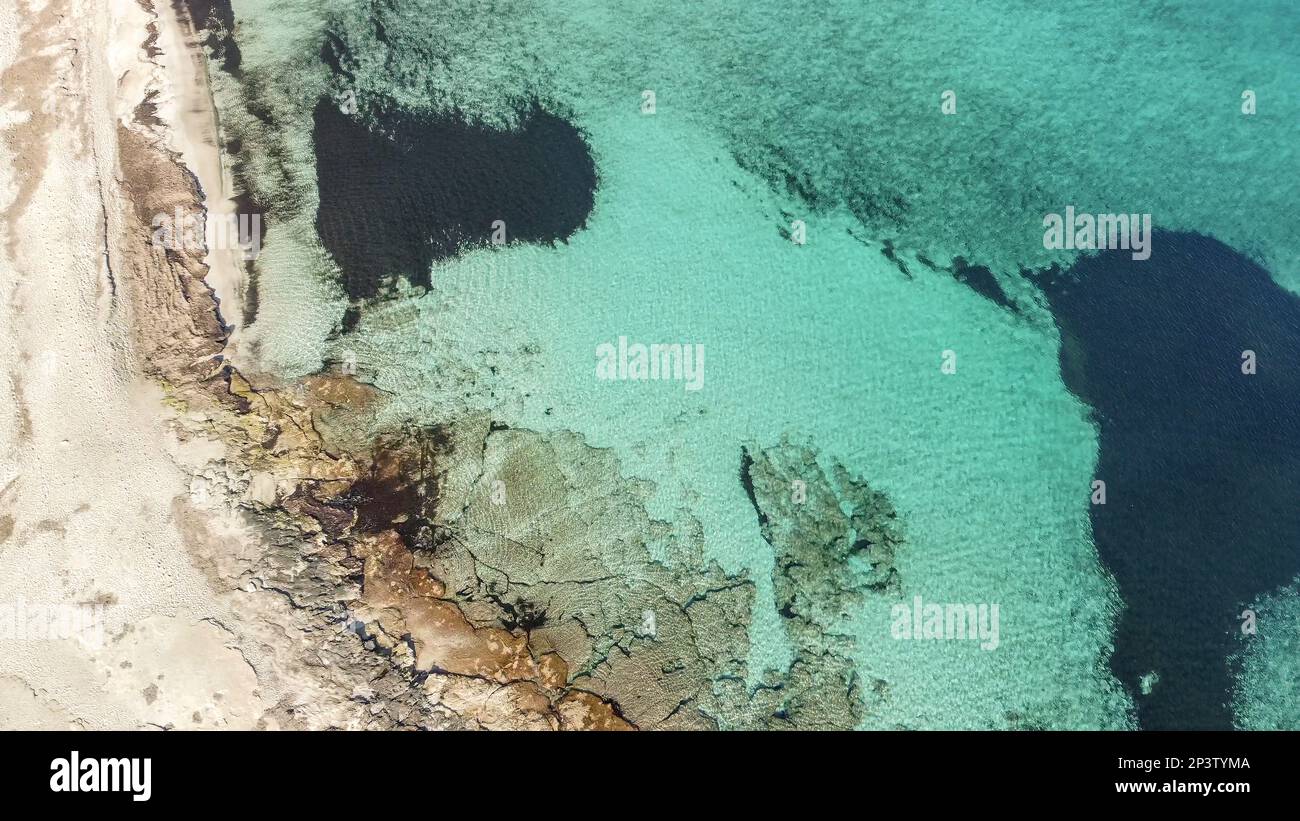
(766, 114)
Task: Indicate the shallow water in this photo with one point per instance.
(763, 116)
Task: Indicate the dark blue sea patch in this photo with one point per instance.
(405, 190)
(1201, 461)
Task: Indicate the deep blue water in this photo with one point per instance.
(397, 195)
(1201, 461)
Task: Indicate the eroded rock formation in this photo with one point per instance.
(467, 575)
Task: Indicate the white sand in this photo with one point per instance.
(89, 487)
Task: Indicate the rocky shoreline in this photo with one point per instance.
(467, 575)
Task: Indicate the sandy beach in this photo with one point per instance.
(118, 625)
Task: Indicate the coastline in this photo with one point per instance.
(341, 575)
(246, 531)
(185, 102)
(259, 643)
(119, 497)
(89, 469)
(272, 437)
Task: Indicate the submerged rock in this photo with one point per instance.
(835, 539)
